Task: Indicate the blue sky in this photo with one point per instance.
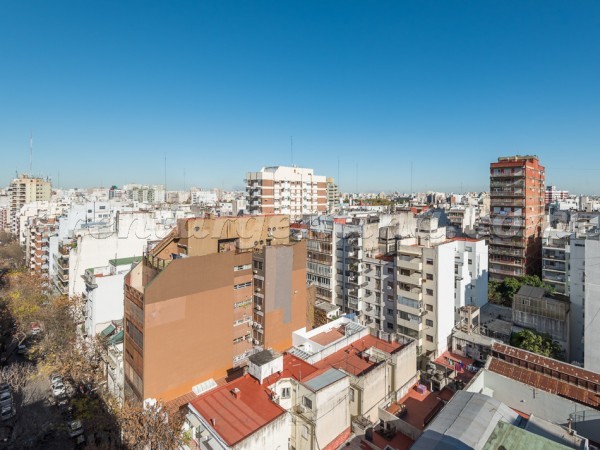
(109, 88)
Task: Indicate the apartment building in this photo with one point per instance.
(4, 219)
(286, 190)
(552, 195)
(216, 290)
(555, 260)
(517, 211)
(333, 195)
(145, 194)
(37, 249)
(26, 189)
(103, 296)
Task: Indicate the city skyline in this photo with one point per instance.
(108, 92)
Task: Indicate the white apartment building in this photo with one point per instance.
(104, 296)
(286, 190)
(199, 197)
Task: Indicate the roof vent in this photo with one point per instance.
(236, 393)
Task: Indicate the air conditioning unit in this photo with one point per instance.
(255, 341)
(255, 271)
(300, 409)
(259, 326)
(258, 307)
(258, 290)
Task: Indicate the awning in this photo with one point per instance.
(107, 331)
(116, 339)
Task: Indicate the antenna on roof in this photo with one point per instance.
(30, 152)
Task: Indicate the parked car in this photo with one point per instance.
(21, 349)
(75, 428)
(35, 328)
(58, 390)
(7, 412)
(4, 387)
(56, 379)
(5, 398)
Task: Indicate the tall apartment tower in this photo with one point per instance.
(517, 204)
(26, 189)
(208, 296)
(286, 190)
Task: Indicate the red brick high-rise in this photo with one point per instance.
(517, 216)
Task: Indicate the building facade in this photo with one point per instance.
(219, 289)
(26, 189)
(286, 190)
(517, 211)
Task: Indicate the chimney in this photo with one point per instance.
(236, 393)
(213, 422)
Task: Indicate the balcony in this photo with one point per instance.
(554, 277)
(518, 193)
(414, 279)
(495, 240)
(413, 294)
(506, 251)
(411, 264)
(509, 272)
(507, 202)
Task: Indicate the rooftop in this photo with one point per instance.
(458, 363)
(238, 409)
(421, 408)
(508, 436)
(354, 358)
(264, 357)
(328, 337)
(544, 382)
(124, 261)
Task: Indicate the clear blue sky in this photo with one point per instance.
(109, 87)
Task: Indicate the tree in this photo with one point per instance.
(151, 428)
(25, 300)
(11, 253)
(534, 342)
(502, 293)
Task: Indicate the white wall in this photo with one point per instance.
(444, 291)
(591, 346)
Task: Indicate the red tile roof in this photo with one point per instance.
(328, 337)
(237, 418)
(349, 358)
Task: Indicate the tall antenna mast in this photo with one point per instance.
(411, 178)
(30, 153)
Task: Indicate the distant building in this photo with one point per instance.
(286, 190)
(517, 216)
(26, 189)
(553, 195)
(333, 195)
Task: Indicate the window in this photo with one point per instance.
(429, 291)
(351, 394)
(429, 276)
(242, 285)
(429, 323)
(390, 311)
(307, 402)
(429, 262)
(470, 261)
(258, 265)
(242, 267)
(102, 207)
(429, 338)
(390, 326)
(428, 307)
(285, 392)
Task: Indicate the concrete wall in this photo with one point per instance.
(592, 306)
(273, 435)
(444, 290)
(189, 316)
(577, 295)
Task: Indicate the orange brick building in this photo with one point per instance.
(208, 296)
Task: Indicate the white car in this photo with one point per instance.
(75, 428)
(58, 389)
